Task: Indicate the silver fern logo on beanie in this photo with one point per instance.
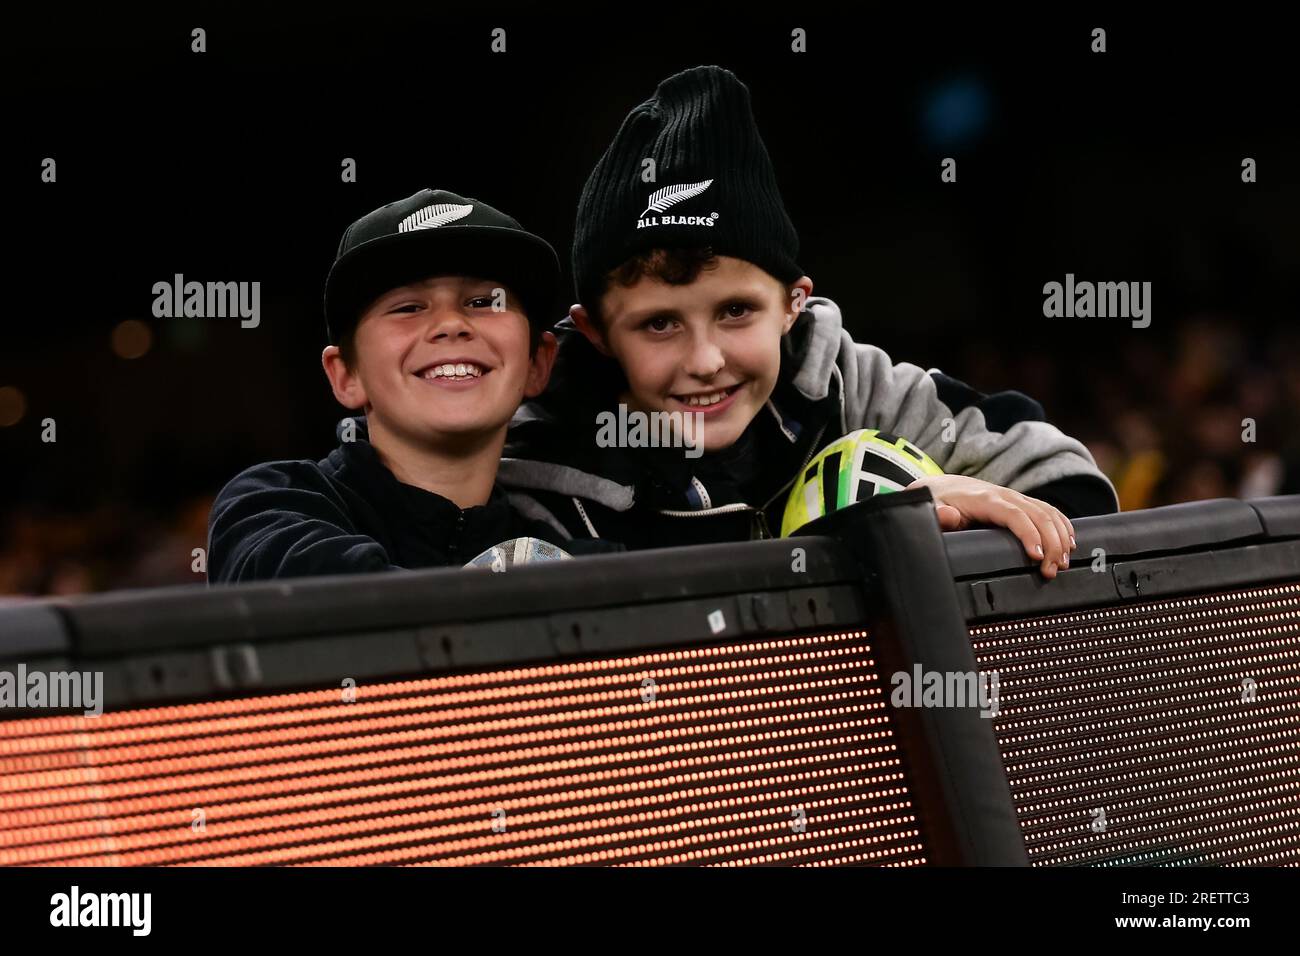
(669, 196)
(662, 199)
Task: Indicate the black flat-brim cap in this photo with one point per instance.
(438, 233)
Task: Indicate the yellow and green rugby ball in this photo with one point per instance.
(858, 466)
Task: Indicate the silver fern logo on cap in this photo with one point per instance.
(662, 199)
(439, 214)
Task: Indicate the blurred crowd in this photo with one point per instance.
(46, 553)
(1213, 413)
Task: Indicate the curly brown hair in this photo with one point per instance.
(673, 266)
(680, 266)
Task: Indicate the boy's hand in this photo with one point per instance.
(961, 501)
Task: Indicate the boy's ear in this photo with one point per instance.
(582, 320)
(540, 365)
(344, 381)
(800, 292)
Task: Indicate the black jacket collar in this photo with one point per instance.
(357, 464)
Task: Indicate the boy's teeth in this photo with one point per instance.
(459, 370)
(706, 399)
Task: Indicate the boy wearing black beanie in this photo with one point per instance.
(691, 302)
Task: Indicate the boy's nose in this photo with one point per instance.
(447, 321)
(705, 359)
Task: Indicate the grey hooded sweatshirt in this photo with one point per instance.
(554, 471)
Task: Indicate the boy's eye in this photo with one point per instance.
(657, 323)
(738, 310)
(480, 302)
(406, 307)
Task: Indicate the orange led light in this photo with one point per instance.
(779, 750)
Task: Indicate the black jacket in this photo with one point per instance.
(347, 514)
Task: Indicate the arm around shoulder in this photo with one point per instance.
(284, 519)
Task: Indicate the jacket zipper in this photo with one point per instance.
(758, 520)
(760, 516)
(812, 449)
(703, 512)
(454, 547)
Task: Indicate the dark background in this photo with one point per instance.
(225, 166)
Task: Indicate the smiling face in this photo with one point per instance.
(436, 363)
(712, 345)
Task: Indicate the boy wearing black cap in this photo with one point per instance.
(433, 309)
(691, 302)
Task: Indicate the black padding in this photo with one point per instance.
(1280, 516)
(31, 630)
(915, 621)
(115, 624)
(1171, 528)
